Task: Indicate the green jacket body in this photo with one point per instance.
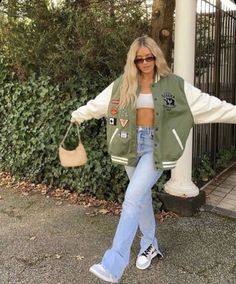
(173, 121)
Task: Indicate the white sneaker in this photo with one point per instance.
(144, 260)
(102, 273)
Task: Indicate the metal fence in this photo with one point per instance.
(215, 73)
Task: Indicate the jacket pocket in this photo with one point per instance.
(119, 144)
(178, 139)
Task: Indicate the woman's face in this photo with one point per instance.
(145, 60)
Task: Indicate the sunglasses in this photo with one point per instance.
(147, 59)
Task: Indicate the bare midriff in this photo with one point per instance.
(145, 117)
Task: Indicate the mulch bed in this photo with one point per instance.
(64, 195)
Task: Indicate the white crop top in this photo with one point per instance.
(145, 101)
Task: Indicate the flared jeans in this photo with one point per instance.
(137, 209)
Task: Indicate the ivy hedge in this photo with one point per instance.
(35, 115)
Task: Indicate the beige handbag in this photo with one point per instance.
(72, 158)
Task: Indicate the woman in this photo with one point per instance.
(149, 115)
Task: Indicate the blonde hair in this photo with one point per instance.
(131, 72)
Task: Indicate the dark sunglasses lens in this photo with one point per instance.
(149, 59)
(141, 60)
(138, 61)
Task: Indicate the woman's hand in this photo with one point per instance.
(73, 120)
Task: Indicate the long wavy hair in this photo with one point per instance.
(131, 72)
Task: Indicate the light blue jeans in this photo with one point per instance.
(137, 209)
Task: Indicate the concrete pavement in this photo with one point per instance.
(221, 193)
(45, 242)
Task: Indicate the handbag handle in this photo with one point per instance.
(67, 132)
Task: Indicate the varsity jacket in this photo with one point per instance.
(178, 106)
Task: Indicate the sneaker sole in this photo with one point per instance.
(101, 276)
(148, 264)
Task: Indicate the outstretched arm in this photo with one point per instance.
(96, 108)
(208, 109)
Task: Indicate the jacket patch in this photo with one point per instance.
(124, 113)
(123, 134)
(169, 100)
(123, 122)
(114, 110)
(115, 101)
(112, 120)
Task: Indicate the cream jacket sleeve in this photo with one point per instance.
(96, 108)
(208, 109)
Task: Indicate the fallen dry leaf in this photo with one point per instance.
(79, 257)
(58, 193)
(58, 256)
(33, 238)
(103, 211)
(73, 198)
(161, 216)
(92, 214)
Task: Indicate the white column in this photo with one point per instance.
(181, 183)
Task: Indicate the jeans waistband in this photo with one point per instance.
(145, 130)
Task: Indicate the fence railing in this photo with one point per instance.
(215, 73)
